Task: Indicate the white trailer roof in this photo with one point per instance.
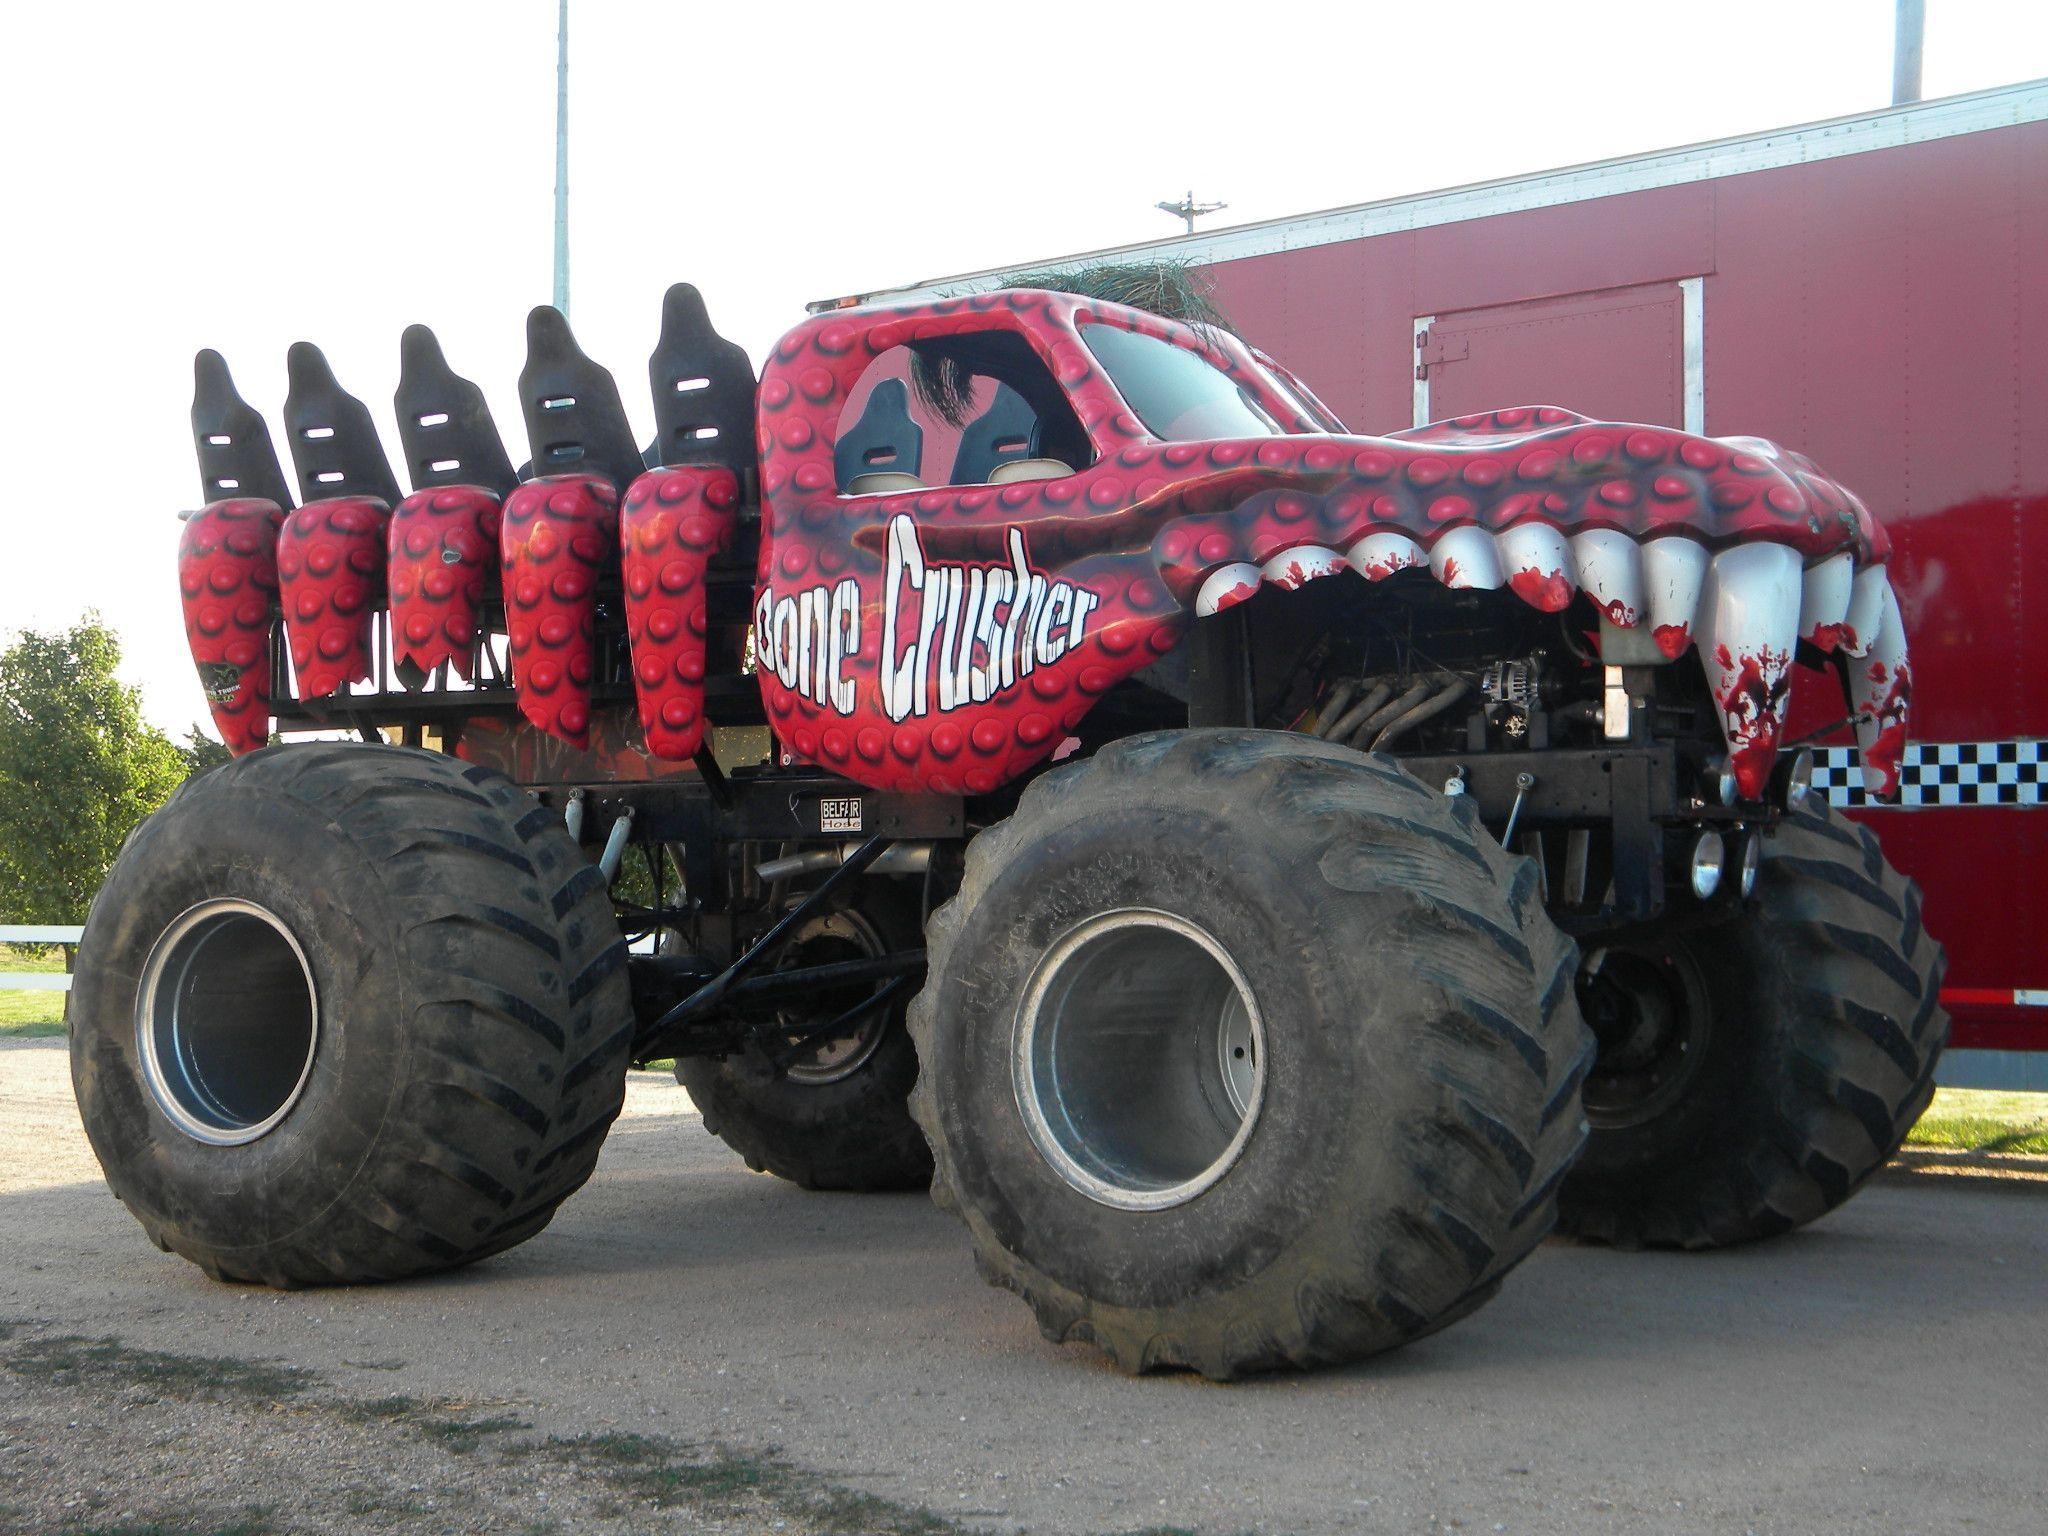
(1888, 128)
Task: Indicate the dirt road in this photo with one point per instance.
(691, 1347)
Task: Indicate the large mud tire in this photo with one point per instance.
(820, 1127)
(472, 1016)
(1422, 1053)
(1822, 1028)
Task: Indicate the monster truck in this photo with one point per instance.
(1026, 745)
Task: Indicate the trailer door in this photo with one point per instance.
(1614, 355)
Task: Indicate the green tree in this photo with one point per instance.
(79, 767)
(202, 752)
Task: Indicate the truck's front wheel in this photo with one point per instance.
(1751, 1076)
(348, 1013)
(1244, 1051)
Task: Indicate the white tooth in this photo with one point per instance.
(1539, 565)
(1611, 572)
(1227, 586)
(1673, 568)
(1305, 562)
(1866, 606)
(1465, 558)
(1824, 601)
(1378, 555)
(1881, 687)
(1748, 625)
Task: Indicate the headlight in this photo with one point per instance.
(1752, 861)
(1720, 780)
(1708, 855)
(1797, 779)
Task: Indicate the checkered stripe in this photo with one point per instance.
(1943, 773)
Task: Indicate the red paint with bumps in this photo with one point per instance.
(227, 574)
(878, 690)
(330, 566)
(557, 536)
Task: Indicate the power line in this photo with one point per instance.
(1187, 208)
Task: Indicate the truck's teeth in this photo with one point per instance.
(1866, 607)
(1378, 555)
(1824, 600)
(1748, 624)
(1881, 688)
(1465, 558)
(1611, 571)
(1304, 563)
(1673, 568)
(1539, 565)
(1226, 587)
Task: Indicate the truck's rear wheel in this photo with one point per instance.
(348, 1013)
(833, 1115)
(1751, 1076)
(1243, 1051)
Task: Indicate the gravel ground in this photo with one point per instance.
(693, 1348)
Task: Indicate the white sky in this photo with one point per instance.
(240, 176)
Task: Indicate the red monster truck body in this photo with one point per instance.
(1236, 784)
(947, 639)
(983, 621)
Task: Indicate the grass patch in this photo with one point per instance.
(638, 1469)
(835, 1511)
(664, 1473)
(31, 1015)
(70, 1360)
(1979, 1120)
(464, 1435)
(257, 1525)
(441, 1421)
(44, 960)
(396, 1406)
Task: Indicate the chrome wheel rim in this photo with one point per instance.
(1139, 1059)
(840, 935)
(227, 1022)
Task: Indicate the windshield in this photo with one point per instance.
(1178, 395)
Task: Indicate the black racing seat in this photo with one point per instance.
(1007, 431)
(703, 390)
(334, 444)
(575, 421)
(236, 455)
(443, 422)
(884, 442)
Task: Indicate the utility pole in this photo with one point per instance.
(1908, 30)
(562, 156)
(1187, 208)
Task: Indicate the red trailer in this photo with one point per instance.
(1872, 291)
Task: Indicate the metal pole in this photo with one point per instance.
(562, 157)
(1911, 26)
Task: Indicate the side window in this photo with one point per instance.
(972, 410)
